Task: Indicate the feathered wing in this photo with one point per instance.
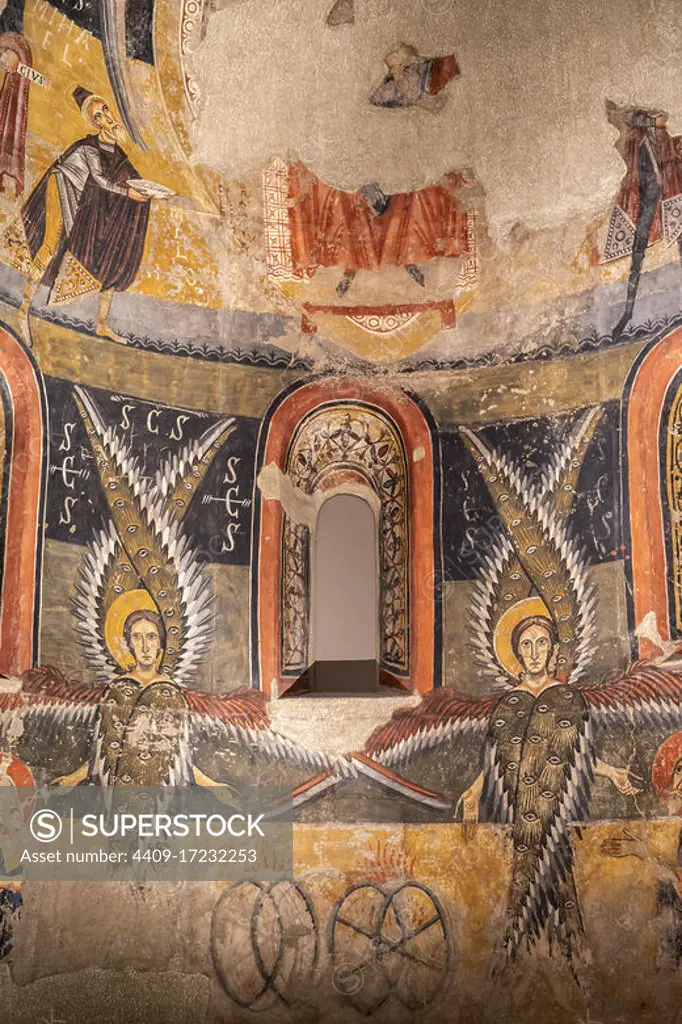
(242, 716)
(99, 573)
(144, 542)
(45, 704)
(547, 554)
(441, 717)
(506, 579)
(645, 694)
(542, 887)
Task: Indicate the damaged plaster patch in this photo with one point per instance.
(530, 102)
(303, 508)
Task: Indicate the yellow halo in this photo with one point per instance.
(121, 608)
(505, 627)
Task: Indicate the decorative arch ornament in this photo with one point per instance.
(652, 417)
(349, 435)
(23, 453)
(341, 434)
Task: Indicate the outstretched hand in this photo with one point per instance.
(629, 844)
(620, 777)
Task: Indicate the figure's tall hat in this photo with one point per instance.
(80, 95)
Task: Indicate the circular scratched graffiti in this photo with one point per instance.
(264, 943)
(389, 944)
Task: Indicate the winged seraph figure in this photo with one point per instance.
(151, 740)
(539, 759)
(144, 618)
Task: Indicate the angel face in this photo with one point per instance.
(535, 649)
(145, 644)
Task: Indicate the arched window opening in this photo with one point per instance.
(345, 602)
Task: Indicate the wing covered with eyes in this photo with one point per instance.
(242, 716)
(45, 703)
(538, 773)
(441, 717)
(645, 694)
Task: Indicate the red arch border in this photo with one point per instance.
(649, 383)
(416, 435)
(25, 496)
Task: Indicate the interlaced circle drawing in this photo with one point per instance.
(389, 944)
(264, 943)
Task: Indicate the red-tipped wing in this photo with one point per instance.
(644, 693)
(242, 715)
(441, 716)
(244, 708)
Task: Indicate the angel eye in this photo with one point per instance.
(112, 485)
(499, 723)
(554, 759)
(126, 568)
(118, 590)
(188, 485)
(173, 629)
(503, 498)
(131, 529)
(169, 612)
(516, 522)
(153, 569)
(515, 575)
(493, 479)
(163, 593)
(119, 503)
(548, 573)
(179, 503)
(531, 549)
(557, 598)
(142, 553)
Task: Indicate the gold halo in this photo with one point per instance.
(121, 608)
(505, 627)
(86, 109)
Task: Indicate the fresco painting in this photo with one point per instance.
(213, 319)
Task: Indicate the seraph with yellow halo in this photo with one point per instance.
(143, 559)
(535, 566)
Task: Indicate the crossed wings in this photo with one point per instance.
(46, 703)
(645, 694)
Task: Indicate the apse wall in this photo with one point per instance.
(257, 255)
